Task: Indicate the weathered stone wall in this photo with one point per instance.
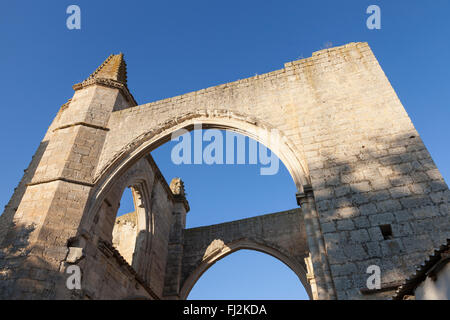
(124, 235)
(368, 167)
(349, 145)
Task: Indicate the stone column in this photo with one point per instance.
(172, 283)
(318, 257)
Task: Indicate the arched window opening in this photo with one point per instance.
(248, 274)
(125, 227)
(130, 232)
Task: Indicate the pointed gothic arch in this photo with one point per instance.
(138, 148)
(225, 250)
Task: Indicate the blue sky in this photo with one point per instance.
(174, 47)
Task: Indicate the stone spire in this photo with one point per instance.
(114, 68)
(112, 73)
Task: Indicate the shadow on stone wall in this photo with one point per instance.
(386, 205)
(7, 217)
(23, 273)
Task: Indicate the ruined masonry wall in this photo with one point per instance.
(345, 134)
